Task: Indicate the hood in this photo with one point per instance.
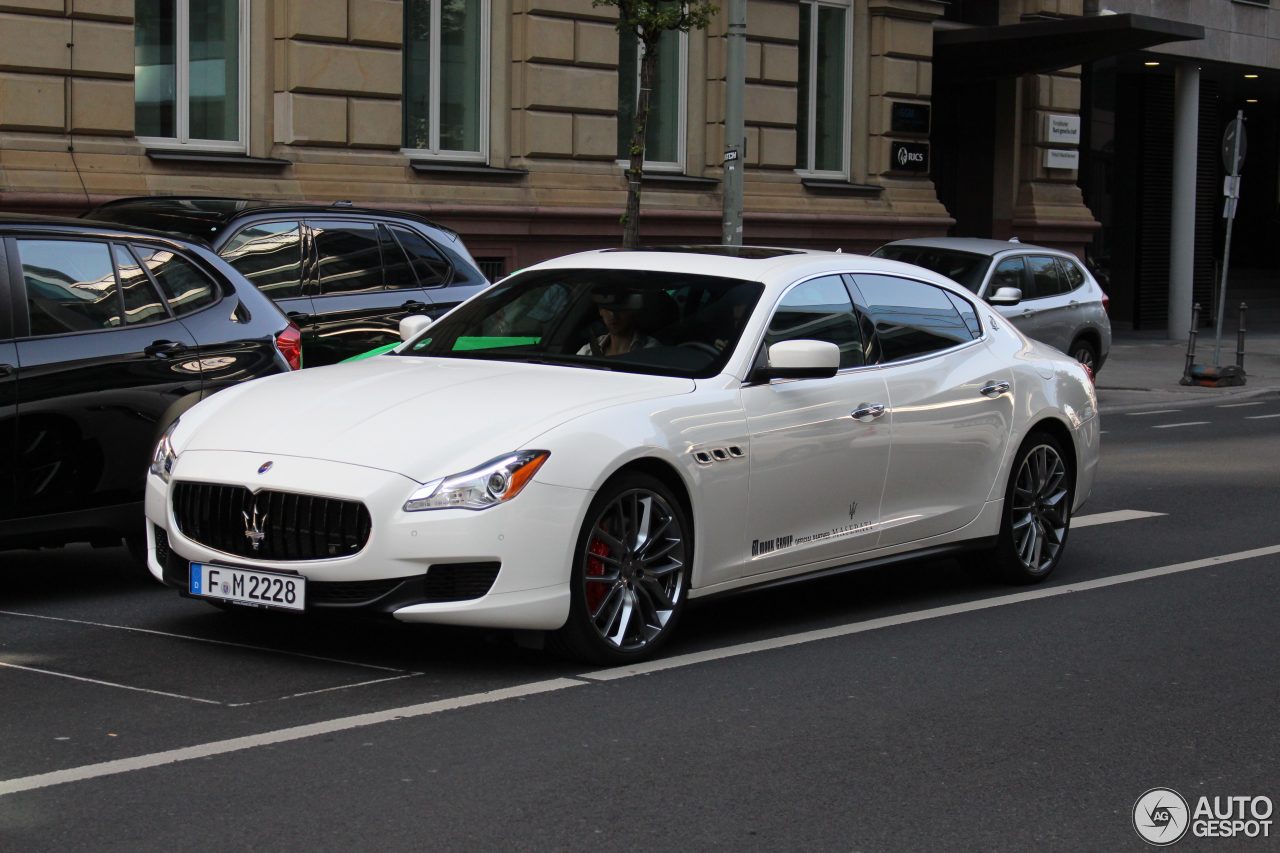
(421, 417)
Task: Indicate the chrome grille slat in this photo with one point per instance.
(295, 526)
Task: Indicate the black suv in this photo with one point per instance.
(106, 335)
(346, 276)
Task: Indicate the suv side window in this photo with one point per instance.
(911, 318)
(1008, 273)
(428, 264)
(71, 286)
(141, 302)
(397, 274)
(1071, 273)
(183, 285)
(819, 310)
(1045, 280)
(269, 254)
(348, 255)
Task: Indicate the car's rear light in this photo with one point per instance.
(289, 342)
(1106, 304)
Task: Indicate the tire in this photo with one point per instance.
(1083, 351)
(630, 573)
(1037, 512)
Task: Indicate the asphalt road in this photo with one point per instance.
(912, 707)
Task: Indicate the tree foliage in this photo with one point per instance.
(647, 20)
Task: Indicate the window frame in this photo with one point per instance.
(434, 151)
(182, 86)
(678, 166)
(805, 169)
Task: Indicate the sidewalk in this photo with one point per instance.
(1143, 370)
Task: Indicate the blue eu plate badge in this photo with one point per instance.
(196, 575)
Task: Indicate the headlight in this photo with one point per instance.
(162, 461)
(496, 481)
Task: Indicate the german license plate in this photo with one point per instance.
(261, 589)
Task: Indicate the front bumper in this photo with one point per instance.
(503, 567)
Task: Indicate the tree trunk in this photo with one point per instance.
(639, 129)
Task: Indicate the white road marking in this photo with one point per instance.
(108, 683)
(327, 690)
(1152, 412)
(205, 640)
(1259, 417)
(1184, 423)
(222, 747)
(1240, 405)
(918, 616)
(1111, 517)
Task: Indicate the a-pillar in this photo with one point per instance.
(1182, 242)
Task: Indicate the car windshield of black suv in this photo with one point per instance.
(638, 321)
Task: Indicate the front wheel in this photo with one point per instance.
(1037, 512)
(630, 573)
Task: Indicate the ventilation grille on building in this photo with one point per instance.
(493, 268)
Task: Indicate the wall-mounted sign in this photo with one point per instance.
(1062, 130)
(909, 156)
(909, 118)
(1061, 158)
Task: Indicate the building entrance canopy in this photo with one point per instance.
(986, 53)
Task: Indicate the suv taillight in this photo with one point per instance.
(1089, 372)
(289, 342)
(1106, 304)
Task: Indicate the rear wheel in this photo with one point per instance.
(1086, 353)
(1037, 512)
(630, 573)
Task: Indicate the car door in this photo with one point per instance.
(97, 369)
(950, 402)
(274, 255)
(8, 396)
(1052, 318)
(819, 448)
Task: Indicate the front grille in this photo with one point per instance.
(292, 526)
(460, 581)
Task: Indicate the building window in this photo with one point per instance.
(665, 134)
(446, 78)
(822, 122)
(190, 72)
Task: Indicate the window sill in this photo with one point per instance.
(231, 159)
(691, 181)
(478, 170)
(837, 187)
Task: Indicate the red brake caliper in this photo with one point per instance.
(596, 592)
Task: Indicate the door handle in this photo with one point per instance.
(415, 307)
(164, 349)
(995, 389)
(299, 318)
(867, 412)
(7, 370)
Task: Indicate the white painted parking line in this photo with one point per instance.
(1111, 517)
(326, 690)
(206, 640)
(1153, 412)
(1241, 405)
(222, 747)
(1259, 417)
(1184, 423)
(108, 683)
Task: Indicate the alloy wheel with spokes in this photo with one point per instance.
(630, 573)
(1037, 512)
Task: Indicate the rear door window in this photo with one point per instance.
(348, 256)
(141, 302)
(183, 285)
(269, 254)
(428, 264)
(71, 286)
(1044, 278)
(911, 318)
(1071, 273)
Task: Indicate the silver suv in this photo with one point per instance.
(1060, 302)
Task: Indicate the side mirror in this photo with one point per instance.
(1005, 296)
(413, 325)
(800, 360)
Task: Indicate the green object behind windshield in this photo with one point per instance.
(470, 342)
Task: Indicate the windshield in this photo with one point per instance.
(663, 323)
(964, 268)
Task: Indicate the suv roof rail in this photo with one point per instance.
(342, 203)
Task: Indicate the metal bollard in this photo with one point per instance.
(1191, 343)
(1240, 339)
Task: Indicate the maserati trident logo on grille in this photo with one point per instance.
(265, 467)
(253, 527)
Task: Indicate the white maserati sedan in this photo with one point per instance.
(590, 443)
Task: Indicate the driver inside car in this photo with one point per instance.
(618, 310)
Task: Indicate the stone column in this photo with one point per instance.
(1182, 235)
